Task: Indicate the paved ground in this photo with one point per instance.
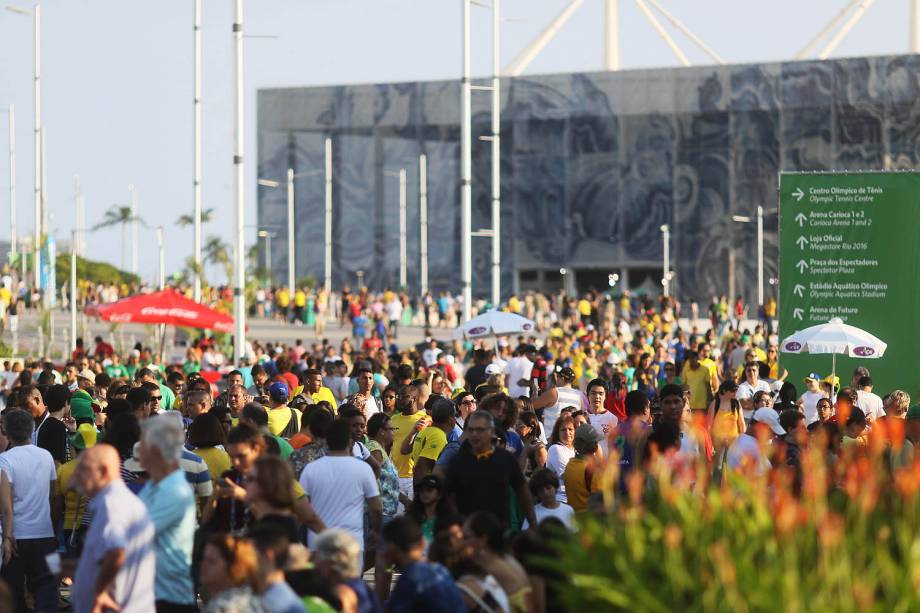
(29, 340)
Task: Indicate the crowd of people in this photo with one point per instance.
(373, 477)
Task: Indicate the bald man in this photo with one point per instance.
(116, 569)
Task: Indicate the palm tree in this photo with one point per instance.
(217, 251)
(118, 215)
(207, 216)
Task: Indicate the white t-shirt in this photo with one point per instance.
(431, 355)
(564, 512)
(746, 391)
(337, 487)
(870, 404)
(30, 470)
(604, 423)
(810, 406)
(518, 368)
(746, 450)
(557, 458)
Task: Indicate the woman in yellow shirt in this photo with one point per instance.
(206, 436)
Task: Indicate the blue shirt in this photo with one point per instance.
(453, 446)
(120, 521)
(171, 506)
(427, 587)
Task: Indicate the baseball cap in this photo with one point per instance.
(495, 368)
(430, 481)
(587, 434)
(81, 405)
(813, 376)
(278, 391)
(84, 437)
(769, 417)
(567, 373)
(87, 374)
(832, 379)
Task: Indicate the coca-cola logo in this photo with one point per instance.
(793, 346)
(477, 330)
(864, 352)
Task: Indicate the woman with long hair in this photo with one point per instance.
(561, 448)
(228, 570)
(270, 494)
(725, 420)
(534, 456)
(430, 504)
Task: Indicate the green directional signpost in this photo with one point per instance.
(850, 248)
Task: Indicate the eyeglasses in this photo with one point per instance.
(469, 401)
(156, 398)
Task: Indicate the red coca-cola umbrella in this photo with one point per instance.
(163, 307)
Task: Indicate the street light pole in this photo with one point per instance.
(402, 229)
(133, 190)
(327, 236)
(466, 171)
(666, 279)
(290, 232)
(161, 267)
(12, 123)
(239, 307)
(37, 68)
(496, 159)
(760, 255)
(196, 181)
(423, 222)
(73, 289)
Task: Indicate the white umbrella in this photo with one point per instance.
(494, 323)
(835, 337)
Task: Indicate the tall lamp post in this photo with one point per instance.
(239, 274)
(760, 272)
(291, 220)
(423, 222)
(36, 16)
(11, 116)
(466, 170)
(401, 175)
(666, 256)
(196, 164)
(267, 237)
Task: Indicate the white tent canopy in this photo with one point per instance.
(494, 323)
(835, 337)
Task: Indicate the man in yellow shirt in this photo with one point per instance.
(425, 446)
(283, 421)
(700, 380)
(314, 388)
(283, 300)
(405, 422)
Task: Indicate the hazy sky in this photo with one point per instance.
(117, 82)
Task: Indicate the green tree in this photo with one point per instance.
(207, 216)
(118, 215)
(217, 251)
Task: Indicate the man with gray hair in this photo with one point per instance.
(170, 502)
(31, 474)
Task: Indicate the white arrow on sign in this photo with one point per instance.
(801, 219)
(798, 193)
(801, 242)
(802, 265)
(798, 290)
(797, 313)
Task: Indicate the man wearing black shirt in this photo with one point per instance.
(50, 434)
(476, 375)
(479, 477)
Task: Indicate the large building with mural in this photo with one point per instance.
(592, 165)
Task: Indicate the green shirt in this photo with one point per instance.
(116, 370)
